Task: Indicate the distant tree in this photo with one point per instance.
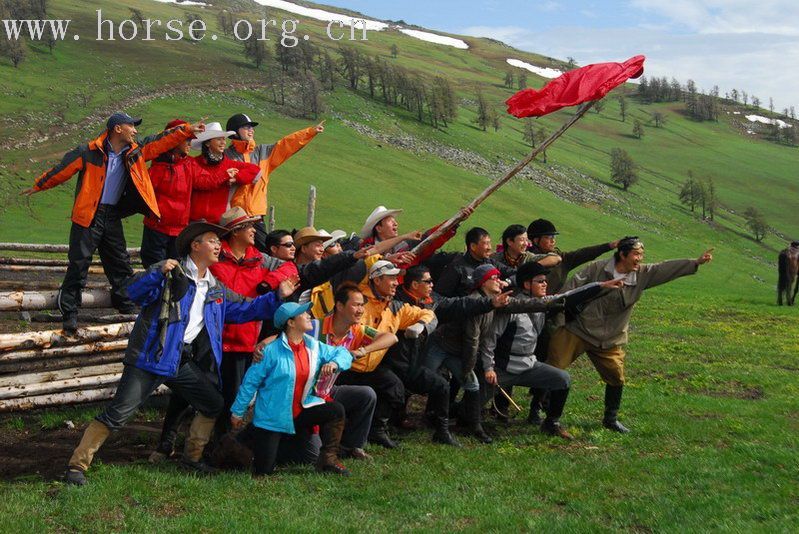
(658, 118)
(14, 50)
(691, 192)
(394, 51)
(711, 201)
(571, 63)
(137, 17)
(599, 105)
(483, 118)
(522, 80)
(756, 223)
(224, 20)
(541, 136)
(327, 71)
(788, 135)
(622, 168)
(311, 103)
(495, 120)
(351, 65)
(792, 113)
(755, 102)
(509, 79)
(622, 108)
(734, 95)
(256, 51)
(771, 104)
(50, 41)
(638, 129)
(528, 131)
(745, 98)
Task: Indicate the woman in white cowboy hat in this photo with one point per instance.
(210, 205)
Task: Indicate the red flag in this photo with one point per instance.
(591, 82)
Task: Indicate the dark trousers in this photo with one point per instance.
(386, 384)
(260, 236)
(267, 442)
(541, 376)
(156, 247)
(137, 385)
(234, 367)
(425, 381)
(105, 235)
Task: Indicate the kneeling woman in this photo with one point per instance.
(284, 381)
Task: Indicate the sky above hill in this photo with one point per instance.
(749, 46)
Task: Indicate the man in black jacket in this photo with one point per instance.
(456, 279)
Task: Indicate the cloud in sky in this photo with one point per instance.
(713, 42)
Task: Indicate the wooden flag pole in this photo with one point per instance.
(459, 217)
(311, 206)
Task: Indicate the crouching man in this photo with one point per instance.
(177, 334)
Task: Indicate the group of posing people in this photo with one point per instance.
(304, 346)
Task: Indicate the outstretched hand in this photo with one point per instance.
(288, 286)
(706, 257)
(501, 300)
(320, 127)
(27, 192)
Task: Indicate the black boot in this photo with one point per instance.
(379, 433)
(471, 416)
(612, 404)
(442, 435)
(70, 325)
(534, 417)
(551, 425)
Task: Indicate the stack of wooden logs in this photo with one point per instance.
(48, 368)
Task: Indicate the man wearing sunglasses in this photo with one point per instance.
(600, 327)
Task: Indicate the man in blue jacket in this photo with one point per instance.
(177, 335)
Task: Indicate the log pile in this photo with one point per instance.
(39, 369)
(48, 368)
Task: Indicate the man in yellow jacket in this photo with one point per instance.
(252, 197)
(385, 314)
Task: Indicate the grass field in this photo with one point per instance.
(712, 363)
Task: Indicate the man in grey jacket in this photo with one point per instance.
(507, 349)
(600, 328)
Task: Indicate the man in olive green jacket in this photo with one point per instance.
(600, 327)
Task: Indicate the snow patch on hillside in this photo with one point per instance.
(766, 120)
(435, 38)
(186, 3)
(320, 14)
(544, 72)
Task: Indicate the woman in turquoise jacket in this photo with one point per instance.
(283, 383)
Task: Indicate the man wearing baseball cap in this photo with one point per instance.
(113, 183)
(600, 328)
(253, 197)
(177, 337)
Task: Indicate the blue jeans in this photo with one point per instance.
(436, 357)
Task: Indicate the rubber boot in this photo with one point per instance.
(93, 438)
(442, 435)
(612, 404)
(379, 433)
(471, 412)
(328, 461)
(199, 436)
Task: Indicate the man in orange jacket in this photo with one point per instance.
(252, 197)
(113, 183)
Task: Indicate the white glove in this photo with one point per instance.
(414, 331)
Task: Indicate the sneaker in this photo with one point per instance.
(75, 477)
(614, 425)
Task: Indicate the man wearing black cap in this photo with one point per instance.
(507, 348)
(600, 327)
(176, 338)
(252, 197)
(542, 234)
(113, 183)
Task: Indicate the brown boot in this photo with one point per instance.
(199, 435)
(93, 438)
(328, 462)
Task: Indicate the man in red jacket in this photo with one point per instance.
(174, 176)
(210, 205)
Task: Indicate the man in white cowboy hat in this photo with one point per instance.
(268, 157)
(381, 225)
(210, 205)
(333, 245)
(113, 183)
(177, 335)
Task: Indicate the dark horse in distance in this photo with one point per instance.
(788, 266)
